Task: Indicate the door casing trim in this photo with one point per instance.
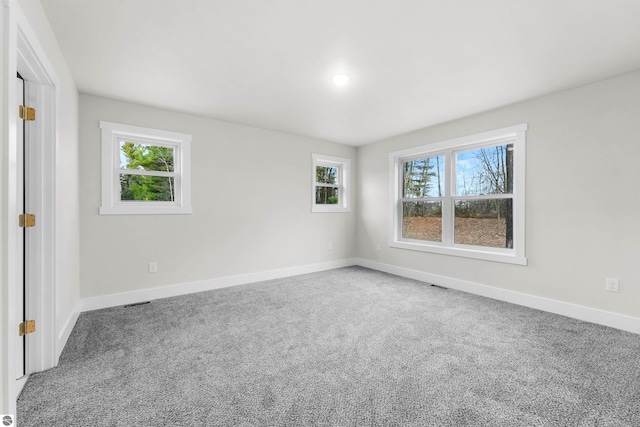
(23, 53)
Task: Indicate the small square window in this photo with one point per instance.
(144, 171)
(330, 184)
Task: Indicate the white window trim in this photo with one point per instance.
(344, 179)
(111, 203)
(516, 255)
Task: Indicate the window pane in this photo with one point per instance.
(146, 188)
(145, 157)
(423, 177)
(422, 220)
(327, 174)
(485, 171)
(327, 195)
(486, 222)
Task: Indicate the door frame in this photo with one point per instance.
(23, 53)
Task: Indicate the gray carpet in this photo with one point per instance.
(347, 347)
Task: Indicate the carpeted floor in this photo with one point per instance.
(347, 347)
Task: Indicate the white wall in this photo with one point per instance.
(582, 198)
(251, 198)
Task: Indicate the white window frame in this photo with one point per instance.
(515, 135)
(344, 174)
(112, 134)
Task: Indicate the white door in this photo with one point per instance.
(20, 299)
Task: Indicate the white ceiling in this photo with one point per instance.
(413, 63)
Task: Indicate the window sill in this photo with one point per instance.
(328, 209)
(474, 252)
(145, 210)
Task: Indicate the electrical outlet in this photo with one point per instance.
(612, 285)
(330, 246)
(378, 247)
(153, 267)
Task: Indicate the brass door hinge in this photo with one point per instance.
(26, 220)
(27, 327)
(27, 113)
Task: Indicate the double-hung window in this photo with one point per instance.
(330, 189)
(462, 197)
(144, 171)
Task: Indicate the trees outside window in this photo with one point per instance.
(422, 191)
(462, 197)
(483, 203)
(327, 185)
(150, 158)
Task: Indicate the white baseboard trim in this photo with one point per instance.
(601, 317)
(593, 315)
(64, 334)
(114, 300)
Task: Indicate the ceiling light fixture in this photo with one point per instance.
(340, 79)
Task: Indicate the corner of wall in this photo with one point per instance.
(2, 198)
